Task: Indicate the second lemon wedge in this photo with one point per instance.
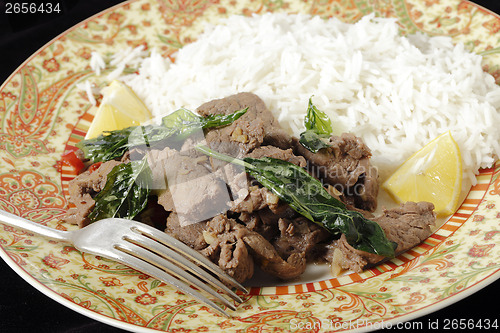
(120, 108)
(434, 174)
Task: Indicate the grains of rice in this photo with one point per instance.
(86, 86)
(97, 62)
(396, 92)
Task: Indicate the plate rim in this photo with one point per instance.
(408, 316)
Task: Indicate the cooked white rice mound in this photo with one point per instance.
(397, 93)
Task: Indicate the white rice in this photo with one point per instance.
(97, 63)
(397, 93)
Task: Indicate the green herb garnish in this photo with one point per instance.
(177, 126)
(125, 193)
(318, 129)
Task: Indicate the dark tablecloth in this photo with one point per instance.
(25, 309)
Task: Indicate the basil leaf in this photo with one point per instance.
(318, 129)
(125, 193)
(107, 146)
(317, 120)
(185, 122)
(313, 141)
(220, 120)
(177, 126)
(307, 196)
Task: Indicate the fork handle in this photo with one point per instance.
(19, 222)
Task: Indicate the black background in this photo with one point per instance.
(25, 309)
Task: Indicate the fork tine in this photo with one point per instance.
(182, 261)
(188, 252)
(140, 265)
(160, 262)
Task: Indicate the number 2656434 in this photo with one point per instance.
(32, 8)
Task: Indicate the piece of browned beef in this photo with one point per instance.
(244, 134)
(217, 239)
(260, 211)
(82, 189)
(273, 134)
(257, 198)
(185, 186)
(191, 234)
(235, 248)
(271, 262)
(227, 248)
(299, 235)
(346, 166)
(407, 225)
(253, 221)
(265, 220)
(225, 234)
(278, 153)
(237, 139)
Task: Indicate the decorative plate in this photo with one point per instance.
(43, 113)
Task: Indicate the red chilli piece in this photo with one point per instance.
(70, 159)
(94, 167)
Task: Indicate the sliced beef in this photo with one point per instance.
(237, 139)
(226, 238)
(244, 134)
(299, 235)
(271, 262)
(191, 234)
(273, 134)
(227, 248)
(407, 225)
(256, 198)
(353, 259)
(265, 220)
(82, 189)
(278, 153)
(185, 186)
(253, 221)
(260, 210)
(346, 166)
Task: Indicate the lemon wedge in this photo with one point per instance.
(120, 108)
(433, 174)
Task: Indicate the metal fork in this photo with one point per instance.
(148, 250)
